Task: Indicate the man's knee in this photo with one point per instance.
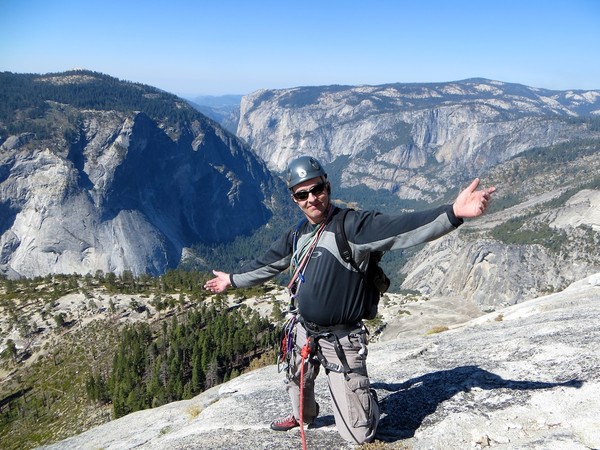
(362, 415)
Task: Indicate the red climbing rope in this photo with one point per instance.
(305, 353)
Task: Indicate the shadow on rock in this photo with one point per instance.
(411, 402)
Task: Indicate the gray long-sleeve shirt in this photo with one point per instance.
(334, 293)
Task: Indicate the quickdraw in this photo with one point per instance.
(287, 342)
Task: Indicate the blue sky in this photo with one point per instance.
(235, 47)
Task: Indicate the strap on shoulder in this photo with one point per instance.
(342, 241)
(297, 232)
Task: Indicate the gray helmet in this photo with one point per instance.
(303, 168)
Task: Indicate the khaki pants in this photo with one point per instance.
(355, 410)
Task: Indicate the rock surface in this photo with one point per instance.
(526, 377)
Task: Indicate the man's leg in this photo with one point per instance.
(355, 409)
(311, 370)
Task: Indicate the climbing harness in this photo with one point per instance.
(300, 258)
(333, 335)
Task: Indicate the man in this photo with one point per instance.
(331, 295)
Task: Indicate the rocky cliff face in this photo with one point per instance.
(412, 139)
(116, 189)
(493, 274)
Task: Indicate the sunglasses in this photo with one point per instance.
(315, 190)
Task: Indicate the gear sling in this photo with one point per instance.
(375, 279)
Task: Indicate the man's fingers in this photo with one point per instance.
(473, 185)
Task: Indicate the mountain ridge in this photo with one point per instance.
(395, 135)
(138, 180)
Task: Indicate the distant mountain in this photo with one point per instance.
(102, 174)
(415, 140)
(224, 109)
(218, 101)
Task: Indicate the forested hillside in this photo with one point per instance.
(31, 94)
(84, 349)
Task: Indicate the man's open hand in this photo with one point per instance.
(472, 203)
(218, 284)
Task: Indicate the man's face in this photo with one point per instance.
(313, 199)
